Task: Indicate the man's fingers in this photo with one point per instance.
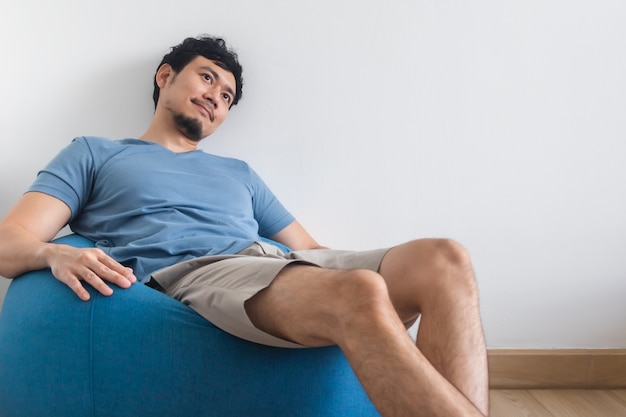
(114, 272)
(96, 281)
(95, 268)
(101, 268)
(75, 285)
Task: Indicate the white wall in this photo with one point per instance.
(499, 123)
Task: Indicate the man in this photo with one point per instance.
(190, 224)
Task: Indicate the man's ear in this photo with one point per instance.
(164, 72)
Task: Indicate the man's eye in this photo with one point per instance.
(226, 97)
(207, 77)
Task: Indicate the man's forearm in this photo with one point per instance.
(20, 251)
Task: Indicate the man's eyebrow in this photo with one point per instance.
(217, 77)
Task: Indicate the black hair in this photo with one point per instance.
(209, 47)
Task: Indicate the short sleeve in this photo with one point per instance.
(68, 176)
(269, 212)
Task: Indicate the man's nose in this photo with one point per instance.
(210, 95)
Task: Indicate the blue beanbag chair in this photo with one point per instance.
(142, 353)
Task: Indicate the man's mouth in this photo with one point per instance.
(204, 109)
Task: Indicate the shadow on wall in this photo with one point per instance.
(113, 101)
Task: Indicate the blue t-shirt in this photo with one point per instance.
(148, 207)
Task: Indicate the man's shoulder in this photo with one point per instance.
(102, 142)
(95, 143)
(224, 160)
(106, 147)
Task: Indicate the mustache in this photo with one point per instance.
(208, 108)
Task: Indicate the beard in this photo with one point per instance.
(189, 126)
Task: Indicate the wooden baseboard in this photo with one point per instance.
(557, 369)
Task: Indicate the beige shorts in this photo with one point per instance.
(218, 286)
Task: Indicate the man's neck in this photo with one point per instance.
(170, 139)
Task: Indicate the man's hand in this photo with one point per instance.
(24, 235)
(72, 265)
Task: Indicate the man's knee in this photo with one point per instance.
(451, 251)
(323, 303)
(420, 270)
(364, 306)
(362, 290)
(451, 267)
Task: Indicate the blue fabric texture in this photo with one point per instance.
(142, 353)
(171, 206)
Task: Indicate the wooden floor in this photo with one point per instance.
(558, 403)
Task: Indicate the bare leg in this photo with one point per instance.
(436, 278)
(353, 309)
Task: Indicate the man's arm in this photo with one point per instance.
(24, 235)
(295, 237)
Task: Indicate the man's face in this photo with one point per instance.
(197, 98)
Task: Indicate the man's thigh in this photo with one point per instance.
(219, 290)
